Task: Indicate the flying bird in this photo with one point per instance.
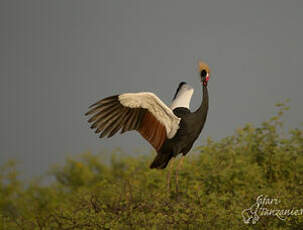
(171, 130)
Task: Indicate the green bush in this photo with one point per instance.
(218, 181)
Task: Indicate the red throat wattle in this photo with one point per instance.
(206, 80)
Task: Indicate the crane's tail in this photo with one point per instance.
(161, 161)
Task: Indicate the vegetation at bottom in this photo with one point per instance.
(219, 180)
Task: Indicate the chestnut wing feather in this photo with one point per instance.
(152, 130)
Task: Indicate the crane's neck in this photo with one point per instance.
(201, 112)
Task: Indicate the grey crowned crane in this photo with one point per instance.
(170, 130)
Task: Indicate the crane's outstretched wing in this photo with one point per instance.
(182, 96)
(143, 112)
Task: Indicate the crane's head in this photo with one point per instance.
(204, 72)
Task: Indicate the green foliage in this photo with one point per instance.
(218, 181)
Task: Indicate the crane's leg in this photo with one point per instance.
(169, 172)
(179, 166)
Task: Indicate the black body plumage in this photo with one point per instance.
(191, 125)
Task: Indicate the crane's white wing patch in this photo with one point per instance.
(154, 105)
(183, 97)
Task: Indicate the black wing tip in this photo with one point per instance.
(114, 97)
(108, 99)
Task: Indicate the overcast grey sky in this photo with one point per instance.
(58, 57)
